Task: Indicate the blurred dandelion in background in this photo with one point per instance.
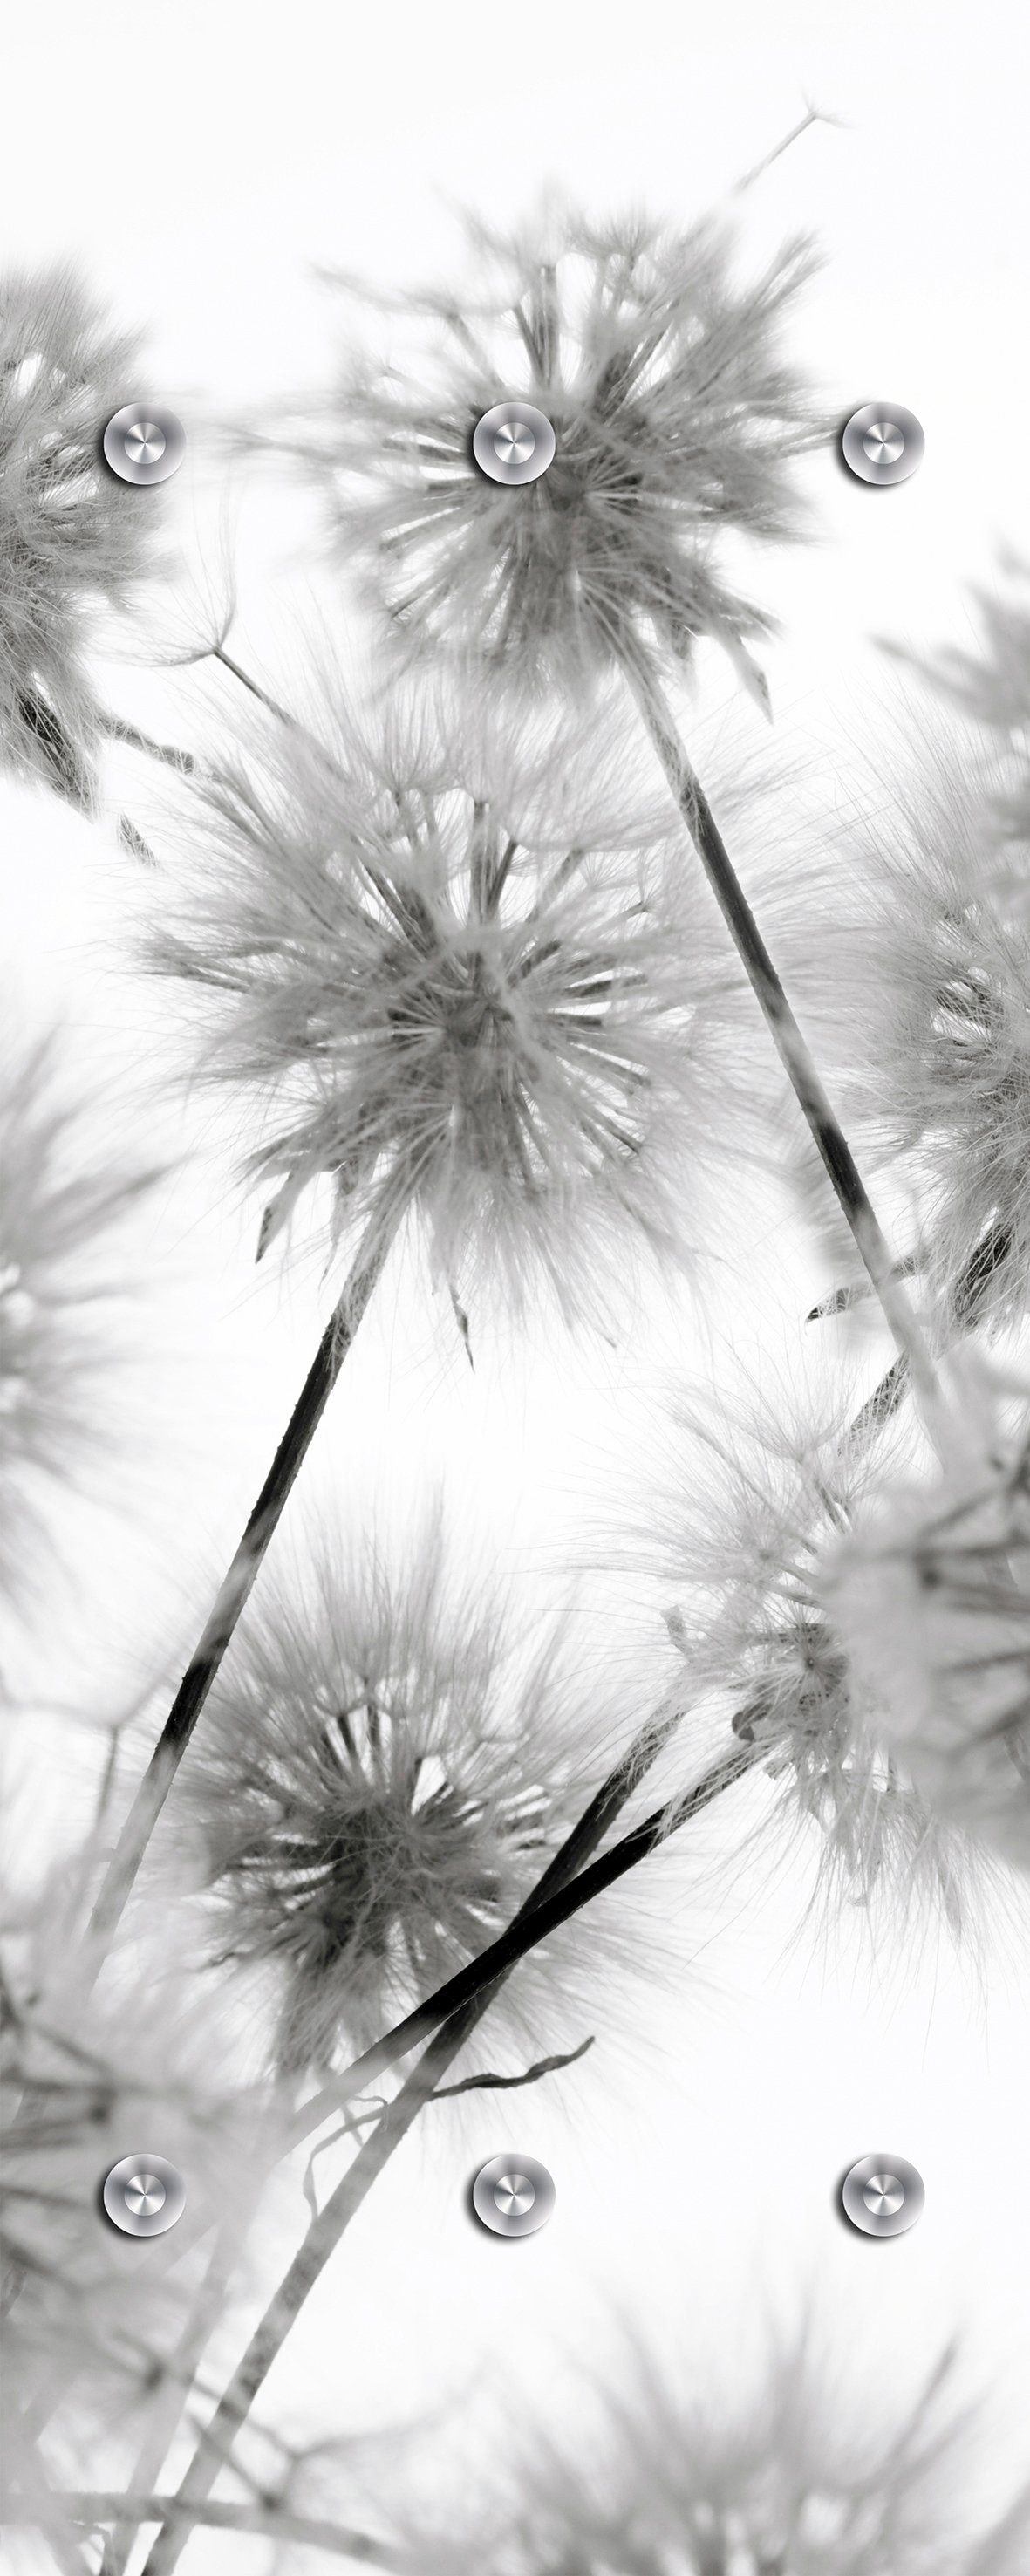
(95, 2320)
(73, 540)
(916, 990)
(933, 1599)
(748, 1509)
(993, 686)
(62, 1283)
(800, 2476)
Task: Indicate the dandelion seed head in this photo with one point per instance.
(757, 1503)
(916, 990)
(782, 2483)
(381, 1780)
(933, 1600)
(457, 991)
(677, 418)
(72, 538)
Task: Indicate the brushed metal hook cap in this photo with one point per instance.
(144, 443)
(513, 2195)
(883, 2195)
(883, 442)
(513, 442)
(144, 2194)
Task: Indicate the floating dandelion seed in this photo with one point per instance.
(464, 996)
(379, 1784)
(933, 1600)
(71, 538)
(919, 997)
(748, 1522)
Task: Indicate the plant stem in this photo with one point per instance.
(274, 2522)
(812, 116)
(583, 1839)
(552, 1904)
(308, 2263)
(577, 1848)
(827, 1134)
(560, 1892)
(219, 654)
(169, 2404)
(236, 1584)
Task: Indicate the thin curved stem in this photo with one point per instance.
(235, 1587)
(824, 1125)
(464, 1999)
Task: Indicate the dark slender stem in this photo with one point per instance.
(583, 1839)
(542, 1915)
(562, 1869)
(517, 2083)
(463, 2000)
(827, 1133)
(235, 1587)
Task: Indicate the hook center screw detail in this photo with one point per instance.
(513, 443)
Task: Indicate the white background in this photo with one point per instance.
(197, 161)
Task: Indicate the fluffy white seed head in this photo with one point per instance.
(72, 537)
(468, 986)
(932, 1598)
(744, 1527)
(382, 1776)
(915, 989)
(676, 416)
